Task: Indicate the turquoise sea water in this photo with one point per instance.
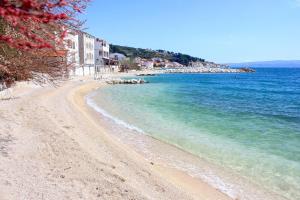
(246, 123)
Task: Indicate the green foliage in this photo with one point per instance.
(131, 52)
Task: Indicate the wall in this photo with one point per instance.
(72, 46)
(101, 51)
(89, 52)
(86, 49)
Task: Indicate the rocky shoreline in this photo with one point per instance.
(208, 70)
(125, 81)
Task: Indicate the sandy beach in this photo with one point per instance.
(52, 147)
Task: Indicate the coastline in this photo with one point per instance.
(180, 163)
(198, 189)
(52, 147)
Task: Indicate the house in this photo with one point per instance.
(102, 62)
(197, 64)
(177, 65)
(158, 60)
(117, 56)
(148, 64)
(86, 53)
(138, 60)
(115, 61)
(101, 52)
(72, 47)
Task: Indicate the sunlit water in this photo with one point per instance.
(246, 123)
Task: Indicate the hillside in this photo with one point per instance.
(131, 52)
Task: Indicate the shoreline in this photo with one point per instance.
(233, 186)
(194, 186)
(52, 147)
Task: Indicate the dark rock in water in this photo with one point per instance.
(248, 70)
(145, 74)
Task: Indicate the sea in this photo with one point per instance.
(244, 127)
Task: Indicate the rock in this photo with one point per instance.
(131, 81)
(247, 70)
(145, 74)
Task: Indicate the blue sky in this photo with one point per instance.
(217, 30)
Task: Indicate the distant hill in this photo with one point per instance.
(132, 52)
(270, 64)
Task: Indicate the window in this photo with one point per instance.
(69, 43)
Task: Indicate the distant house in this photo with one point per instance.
(86, 53)
(101, 52)
(72, 47)
(197, 64)
(115, 61)
(176, 64)
(117, 56)
(138, 60)
(157, 59)
(148, 64)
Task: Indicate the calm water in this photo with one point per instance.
(247, 123)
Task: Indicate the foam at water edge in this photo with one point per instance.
(211, 179)
(92, 104)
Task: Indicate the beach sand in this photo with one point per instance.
(52, 147)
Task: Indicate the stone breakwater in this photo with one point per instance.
(208, 70)
(122, 81)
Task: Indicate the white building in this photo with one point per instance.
(86, 54)
(144, 63)
(101, 52)
(72, 48)
(148, 65)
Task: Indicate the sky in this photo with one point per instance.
(222, 31)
